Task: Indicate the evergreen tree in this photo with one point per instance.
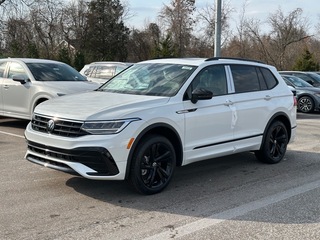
(32, 50)
(165, 48)
(79, 61)
(306, 62)
(63, 56)
(107, 35)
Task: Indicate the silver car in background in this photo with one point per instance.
(100, 72)
(27, 82)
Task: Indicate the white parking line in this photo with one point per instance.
(233, 213)
(12, 134)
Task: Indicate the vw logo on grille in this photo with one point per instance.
(50, 125)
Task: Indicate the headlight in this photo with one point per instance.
(107, 127)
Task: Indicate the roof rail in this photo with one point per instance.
(232, 58)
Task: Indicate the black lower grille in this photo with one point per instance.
(51, 164)
(97, 158)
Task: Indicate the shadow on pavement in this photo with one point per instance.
(13, 123)
(208, 187)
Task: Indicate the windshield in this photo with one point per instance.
(155, 79)
(54, 72)
(297, 82)
(314, 76)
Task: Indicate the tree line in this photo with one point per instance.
(83, 31)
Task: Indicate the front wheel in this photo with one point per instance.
(274, 145)
(153, 164)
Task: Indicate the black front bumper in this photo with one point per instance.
(96, 158)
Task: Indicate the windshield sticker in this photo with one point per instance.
(187, 67)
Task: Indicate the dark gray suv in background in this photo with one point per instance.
(310, 77)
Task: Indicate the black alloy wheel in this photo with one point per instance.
(305, 104)
(153, 164)
(274, 145)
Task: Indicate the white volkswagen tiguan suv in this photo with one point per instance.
(160, 114)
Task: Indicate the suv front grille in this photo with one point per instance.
(60, 127)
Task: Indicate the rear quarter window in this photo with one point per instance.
(269, 78)
(245, 78)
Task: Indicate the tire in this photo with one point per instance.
(153, 165)
(306, 104)
(274, 144)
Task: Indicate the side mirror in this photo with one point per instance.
(293, 90)
(201, 94)
(20, 78)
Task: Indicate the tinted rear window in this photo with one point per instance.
(245, 78)
(269, 78)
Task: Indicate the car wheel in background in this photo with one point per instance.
(305, 104)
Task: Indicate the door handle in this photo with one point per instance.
(267, 97)
(228, 102)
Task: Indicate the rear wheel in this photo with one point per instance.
(152, 165)
(274, 145)
(305, 104)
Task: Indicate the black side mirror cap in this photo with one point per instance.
(20, 78)
(201, 94)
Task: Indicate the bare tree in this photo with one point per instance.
(15, 3)
(8, 7)
(46, 16)
(140, 45)
(206, 17)
(74, 24)
(179, 22)
(14, 27)
(286, 30)
(240, 46)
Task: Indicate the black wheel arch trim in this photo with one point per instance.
(280, 116)
(148, 130)
(305, 94)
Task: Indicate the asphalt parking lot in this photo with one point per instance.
(234, 197)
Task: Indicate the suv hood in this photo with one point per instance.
(97, 105)
(310, 89)
(67, 87)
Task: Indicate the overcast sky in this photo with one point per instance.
(147, 11)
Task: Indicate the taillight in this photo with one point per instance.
(295, 103)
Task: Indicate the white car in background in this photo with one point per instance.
(160, 114)
(27, 82)
(100, 72)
